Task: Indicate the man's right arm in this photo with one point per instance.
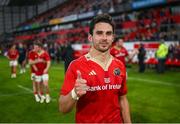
(32, 62)
(66, 103)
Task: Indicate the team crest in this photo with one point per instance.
(107, 80)
(117, 71)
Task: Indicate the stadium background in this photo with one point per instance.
(153, 97)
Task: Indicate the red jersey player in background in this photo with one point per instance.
(31, 59)
(40, 61)
(120, 52)
(96, 82)
(13, 56)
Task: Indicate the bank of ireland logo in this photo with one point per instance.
(117, 71)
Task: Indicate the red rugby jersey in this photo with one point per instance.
(120, 54)
(100, 103)
(31, 56)
(41, 65)
(13, 54)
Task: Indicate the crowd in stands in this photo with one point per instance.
(173, 51)
(71, 7)
(145, 25)
(155, 24)
(149, 25)
(172, 58)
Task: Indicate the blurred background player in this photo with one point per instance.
(68, 55)
(22, 58)
(41, 66)
(120, 52)
(32, 61)
(13, 56)
(141, 58)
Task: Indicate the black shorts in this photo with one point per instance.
(21, 60)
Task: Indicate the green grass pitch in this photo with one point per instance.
(153, 97)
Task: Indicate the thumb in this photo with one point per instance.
(78, 74)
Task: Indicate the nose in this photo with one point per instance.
(104, 36)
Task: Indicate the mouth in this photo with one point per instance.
(104, 44)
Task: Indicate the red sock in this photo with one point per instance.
(41, 93)
(35, 93)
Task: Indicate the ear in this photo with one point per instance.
(114, 36)
(90, 37)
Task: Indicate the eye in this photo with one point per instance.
(109, 33)
(99, 32)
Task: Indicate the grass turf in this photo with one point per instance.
(153, 97)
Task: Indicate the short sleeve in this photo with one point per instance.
(126, 52)
(69, 81)
(123, 89)
(30, 56)
(17, 52)
(47, 57)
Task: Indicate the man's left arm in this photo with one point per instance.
(125, 109)
(48, 62)
(47, 66)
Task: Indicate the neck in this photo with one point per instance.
(98, 55)
(39, 51)
(118, 47)
(102, 58)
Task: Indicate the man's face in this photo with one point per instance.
(20, 45)
(120, 43)
(37, 48)
(102, 37)
(14, 47)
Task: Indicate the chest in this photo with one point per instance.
(99, 79)
(39, 56)
(120, 52)
(13, 52)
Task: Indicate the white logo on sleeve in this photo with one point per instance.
(92, 72)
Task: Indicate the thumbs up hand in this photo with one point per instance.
(80, 85)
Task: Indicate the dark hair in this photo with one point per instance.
(118, 38)
(101, 18)
(11, 45)
(38, 43)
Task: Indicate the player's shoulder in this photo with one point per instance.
(117, 61)
(31, 51)
(45, 52)
(78, 62)
(123, 48)
(119, 64)
(114, 48)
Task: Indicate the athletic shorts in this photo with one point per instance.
(21, 60)
(41, 78)
(13, 63)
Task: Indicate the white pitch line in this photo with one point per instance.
(29, 90)
(154, 82)
(25, 88)
(13, 94)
